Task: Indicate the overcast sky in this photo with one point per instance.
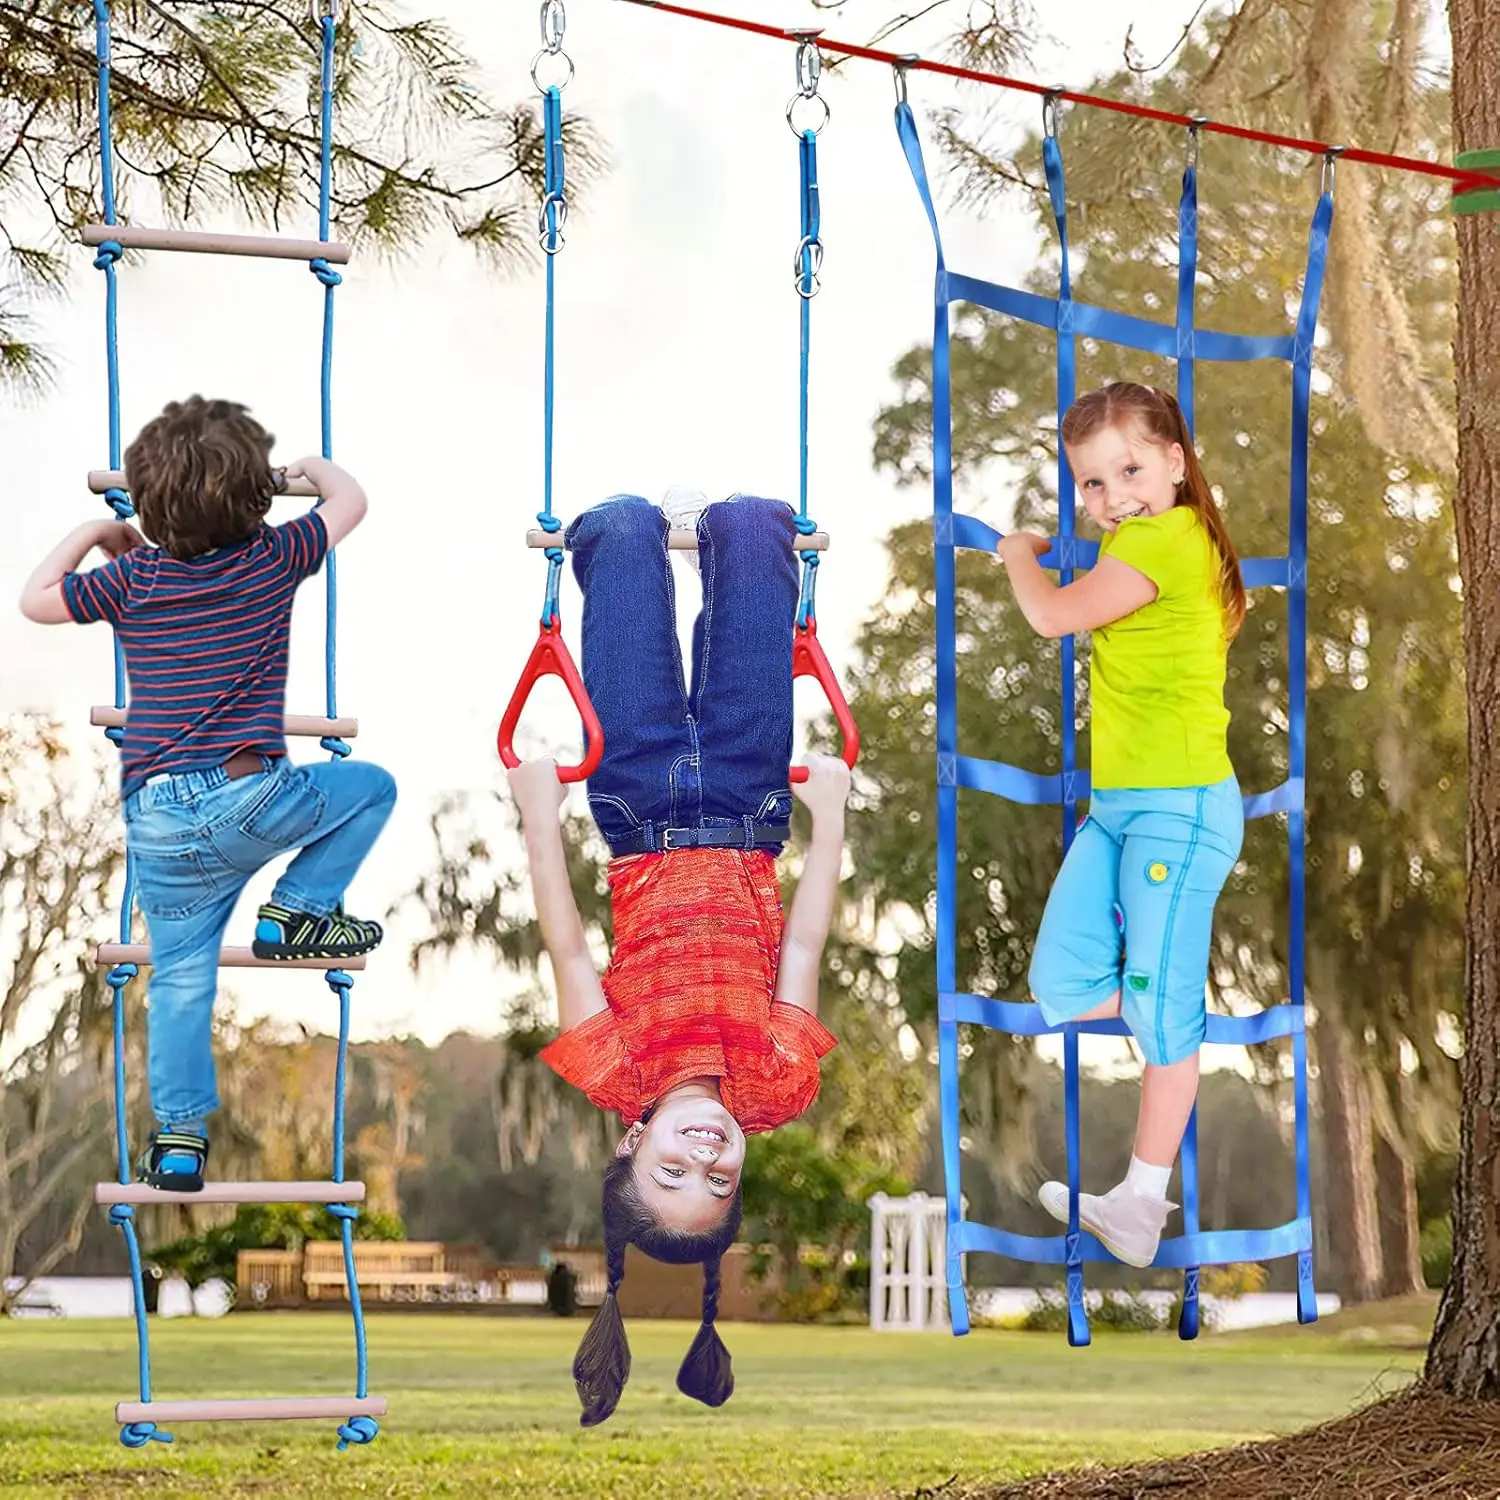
(677, 361)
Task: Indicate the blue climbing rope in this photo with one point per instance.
(552, 219)
(1182, 341)
(809, 264)
(356, 1429)
(133, 1434)
(138, 1434)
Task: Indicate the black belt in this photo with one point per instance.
(653, 840)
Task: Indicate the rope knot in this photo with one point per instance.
(339, 980)
(335, 746)
(358, 1430)
(120, 1214)
(324, 272)
(121, 503)
(116, 735)
(105, 256)
(346, 1211)
(806, 525)
(121, 974)
(138, 1434)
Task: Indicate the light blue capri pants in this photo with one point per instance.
(1132, 910)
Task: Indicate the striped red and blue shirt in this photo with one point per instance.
(206, 642)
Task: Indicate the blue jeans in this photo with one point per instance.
(1132, 910)
(196, 838)
(716, 756)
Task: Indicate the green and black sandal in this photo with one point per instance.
(174, 1161)
(282, 935)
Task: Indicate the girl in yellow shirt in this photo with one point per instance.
(1129, 919)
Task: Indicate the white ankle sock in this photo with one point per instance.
(1148, 1181)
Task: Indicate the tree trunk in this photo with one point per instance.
(1464, 1359)
(1400, 1231)
(1349, 1195)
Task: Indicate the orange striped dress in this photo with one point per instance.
(690, 990)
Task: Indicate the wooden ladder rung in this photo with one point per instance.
(303, 726)
(272, 1409)
(234, 1192)
(114, 479)
(679, 539)
(200, 242)
(229, 958)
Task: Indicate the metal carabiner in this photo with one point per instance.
(1195, 138)
(554, 22)
(1330, 159)
(1049, 111)
(324, 10)
(898, 73)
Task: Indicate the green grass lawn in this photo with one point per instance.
(486, 1407)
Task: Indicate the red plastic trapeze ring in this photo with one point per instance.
(550, 655)
(809, 660)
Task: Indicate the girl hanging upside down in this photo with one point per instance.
(1128, 924)
(704, 1027)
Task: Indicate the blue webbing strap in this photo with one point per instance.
(809, 260)
(1078, 1321)
(1110, 327)
(1187, 279)
(553, 215)
(1187, 343)
(1307, 328)
(947, 732)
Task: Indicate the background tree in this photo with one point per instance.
(58, 863)
(216, 114)
(1465, 1356)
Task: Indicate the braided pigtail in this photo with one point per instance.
(602, 1365)
(706, 1374)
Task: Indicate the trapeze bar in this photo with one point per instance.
(101, 480)
(229, 958)
(264, 247)
(274, 1409)
(683, 539)
(304, 726)
(234, 1192)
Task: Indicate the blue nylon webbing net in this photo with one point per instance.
(138, 1434)
(1184, 342)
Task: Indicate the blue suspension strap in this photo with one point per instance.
(1067, 512)
(133, 1434)
(550, 654)
(950, 530)
(1187, 286)
(806, 273)
(808, 656)
(326, 14)
(1302, 360)
(947, 721)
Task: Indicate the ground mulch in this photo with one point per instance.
(1410, 1447)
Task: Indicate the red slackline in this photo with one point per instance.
(1463, 181)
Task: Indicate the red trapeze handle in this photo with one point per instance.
(551, 655)
(808, 660)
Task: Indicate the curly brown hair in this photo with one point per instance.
(200, 476)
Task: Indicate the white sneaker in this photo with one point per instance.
(1127, 1225)
(682, 506)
